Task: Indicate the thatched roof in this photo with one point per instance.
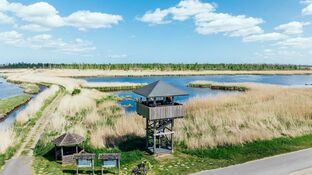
(84, 156)
(68, 139)
(109, 156)
(159, 89)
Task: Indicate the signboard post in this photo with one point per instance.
(84, 160)
(110, 160)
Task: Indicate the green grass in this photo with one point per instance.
(30, 88)
(76, 92)
(218, 86)
(9, 104)
(186, 161)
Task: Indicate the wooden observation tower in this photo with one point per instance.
(160, 111)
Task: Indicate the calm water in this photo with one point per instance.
(8, 122)
(181, 82)
(8, 89)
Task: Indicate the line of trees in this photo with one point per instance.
(156, 66)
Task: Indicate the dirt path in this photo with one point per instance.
(21, 162)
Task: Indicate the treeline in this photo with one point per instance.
(156, 66)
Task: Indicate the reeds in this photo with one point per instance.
(97, 116)
(263, 112)
(217, 86)
(113, 86)
(7, 139)
(35, 105)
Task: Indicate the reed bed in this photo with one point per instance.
(264, 112)
(39, 77)
(35, 105)
(96, 116)
(113, 86)
(217, 86)
(7, 139)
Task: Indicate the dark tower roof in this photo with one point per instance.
(68, 139)
(159, 89)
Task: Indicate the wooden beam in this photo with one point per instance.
(164, 133)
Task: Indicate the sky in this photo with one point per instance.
(156, 31)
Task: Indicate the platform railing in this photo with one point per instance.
(160, 112)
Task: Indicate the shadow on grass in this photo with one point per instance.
(126, 143)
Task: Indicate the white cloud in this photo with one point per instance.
(265, 37)
(45, 15)
(87, 19)
(308, 9)
(5, 19)
(206, 20)
(292, 28)
(45, 41)
(11, 37)
(155, 17)
(207, 23)
(34, 28)
(298, 42)
(188, 8)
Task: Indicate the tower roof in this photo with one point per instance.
(159, 89)
(68, 139)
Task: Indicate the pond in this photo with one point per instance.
(9, 89)
(181, 82)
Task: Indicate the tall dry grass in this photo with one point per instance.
(86, 100)
(105, 123)
(35, 105)
(124, 128)
(263, 112)
(7, 139)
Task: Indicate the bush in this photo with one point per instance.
(76, 91)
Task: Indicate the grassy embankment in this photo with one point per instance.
(115, 86)
(12, 138)
(30, 88)
(9, 104)
(217, 86)
(216, 132)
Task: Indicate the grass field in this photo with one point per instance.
(9, 104)
(30, 88)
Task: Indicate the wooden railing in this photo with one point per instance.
(160, 112)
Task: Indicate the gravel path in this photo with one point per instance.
(21, 163)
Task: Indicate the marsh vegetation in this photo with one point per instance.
(262, 120)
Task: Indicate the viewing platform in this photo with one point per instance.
(160, 112)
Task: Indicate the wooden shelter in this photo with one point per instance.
(110, 160)
(84, 160)
(160, 111)
(66, 146)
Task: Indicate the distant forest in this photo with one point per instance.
(156, 66)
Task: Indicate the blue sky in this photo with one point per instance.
(161, 31)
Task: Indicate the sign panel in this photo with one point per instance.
(84, 163)
(109, 163)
